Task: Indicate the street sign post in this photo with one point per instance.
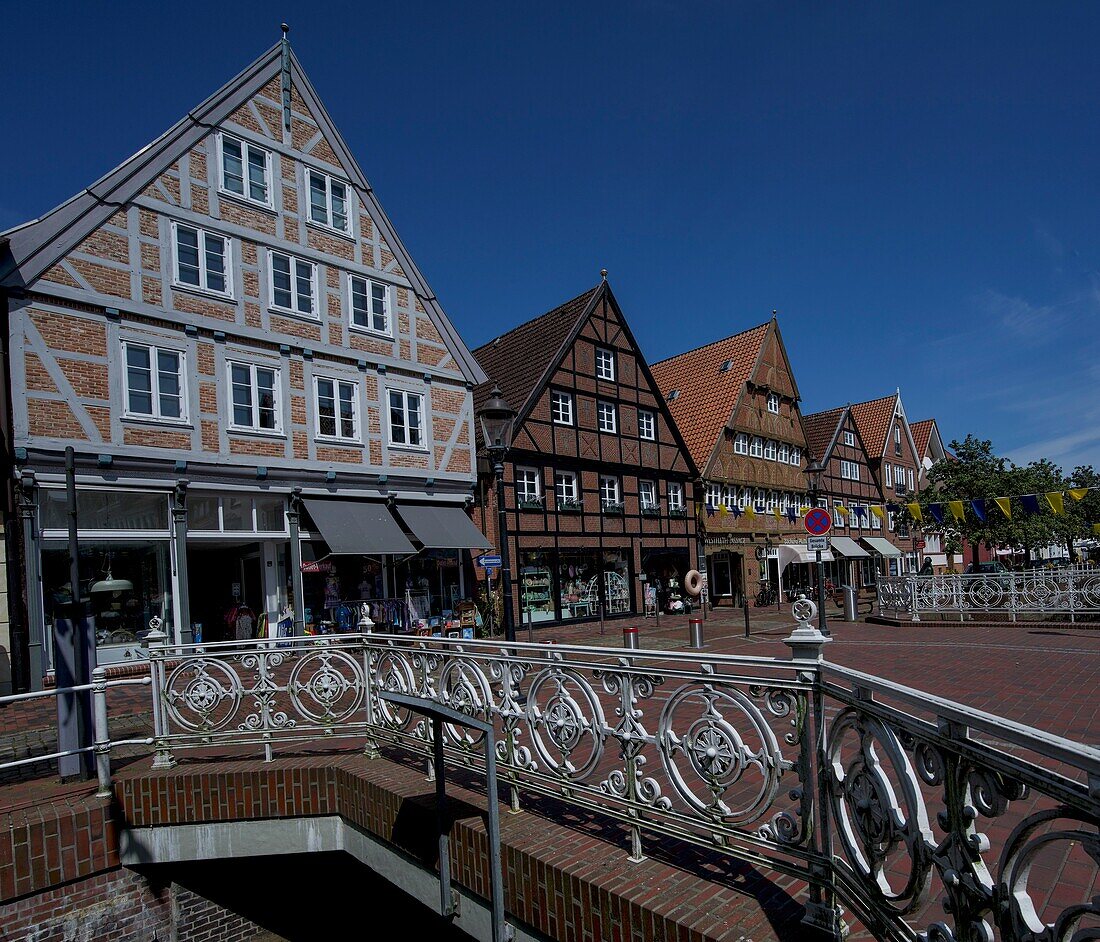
(817, 543)
(818, 523)
(489, 560)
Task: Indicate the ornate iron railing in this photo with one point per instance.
(794, 764)
(1072, 592)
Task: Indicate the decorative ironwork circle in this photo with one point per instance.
(566, 721)
(392, 673)
(326, 686)
(464, 687)
(202, 694)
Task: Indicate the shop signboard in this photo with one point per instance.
(316, 566)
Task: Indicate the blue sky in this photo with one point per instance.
(913, 186)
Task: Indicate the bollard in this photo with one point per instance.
(851, 612)
(745, 606)
(630, 638)
(695, 632)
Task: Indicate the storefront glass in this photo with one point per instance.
(665, 571)
(616, 577)
(536, 586)
(578, 583)
(127, 582)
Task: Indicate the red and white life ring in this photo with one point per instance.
(693, 582)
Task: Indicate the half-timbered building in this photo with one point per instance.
(255, 377)
(737, 405)
(598, 482)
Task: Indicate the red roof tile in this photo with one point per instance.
(820, 429)
(873, 421)
(922, 431)
(706, 395)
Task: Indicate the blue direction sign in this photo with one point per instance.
(489, 561)
(818, 522)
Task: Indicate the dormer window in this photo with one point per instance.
(605, 364)
(328, 201)
(773, 403)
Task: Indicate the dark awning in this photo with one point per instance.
(358, 527)
(442, 527)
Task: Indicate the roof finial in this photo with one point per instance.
(284, 81)
(774, 312)
(286, 31)
(603, 274)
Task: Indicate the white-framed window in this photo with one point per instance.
(796, 456)
(729, 495)
(245, 170)
(770, 449)
(838, 518)
(565, 485)
(647, 494)
(328, 201)
(909, 476)
(675, 495)
(607, 417)
(889, 474)
(714, 493)
(876, 523)
(897, 439)
(406, 411)
(759, 499)
(784, 453)
(849, 470)
(201, 260)
(740, 444)
(773, 403)
(605, 364)
(849, 438)
(756, 448)
(154, 382)
(337, 408)
(293, 284)
(255, 397)
(370, 304)
(561, 407)
(647, 425)
(609, 491)
(746, 497)
(528, 484)
(770, 501)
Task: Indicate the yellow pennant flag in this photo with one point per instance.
(1057, 504)
(723, 510)
(749, 512)
(802, 511)
(877, 511)
(915, 511)
(1078, 493)
(1005, 503)
(841, 509)
(956, 508)
(777, 513)
(1096, 529)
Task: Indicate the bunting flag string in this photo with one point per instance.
(1054, 498)
(979, 509)
(1005, 504)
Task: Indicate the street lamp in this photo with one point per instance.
(814, 470)
(497, 419)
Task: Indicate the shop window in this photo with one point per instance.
(561, 407)
(255, 397)
(246, 170)
(328, 201)
(370, 305)
(105, 510)
(647, 425)
(536, 584)
(578, 583)
(406, 418)
(337, 409)
(154, 387)
(236, 513)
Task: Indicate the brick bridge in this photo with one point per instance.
(195, 851)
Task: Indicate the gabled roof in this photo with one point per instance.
(822, 429)
(873, 421)
(28, 250)
(521, 361)
(706, 395)
(922, 431)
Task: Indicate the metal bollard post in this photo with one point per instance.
(695, 632)
(630, 638)
(745, 607)
(102, 745)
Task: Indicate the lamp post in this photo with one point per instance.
(813, 478)
(497, 418)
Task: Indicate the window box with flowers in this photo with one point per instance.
(609, 507)
(570, 506)
(677, 512)
(648, 511)
(532, 503)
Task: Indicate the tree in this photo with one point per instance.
(1082, 514)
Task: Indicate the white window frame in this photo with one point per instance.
(675, 495)
(647, 422)
(328, 179)
(246, 147)
(618, 491)
(406, 395)
(796, 456)
(729, 495)
(370, 284)
(889, 472)
(759, 500)
(714, 494)
(525, 477)
(276, 395)
(613, 427)
(294, 262)
(154, 382)
(909, 476)
(746, 498)
(876, 522)
(756, 447)
(838, 518)
(647, 495)
(605, 356)
(566, 481)
(850, 439)
(771, 447)
(784, 453)
(356, 411)
(740, 444)
(227, 257)
(560, 403)
(773, 403)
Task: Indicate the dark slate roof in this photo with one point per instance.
(821, 429)
(519, 360)
(28, 250)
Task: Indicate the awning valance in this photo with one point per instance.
(442, 527)
(358, 527)
(846, 546)
(790, 553)
(881, 546)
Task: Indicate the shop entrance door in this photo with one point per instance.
(721, 580)
(252, 583)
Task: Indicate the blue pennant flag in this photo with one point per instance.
(791, 516)
(893, 508)
(1031, 503)
(936, 510)
(736, 511)
(979, 508)
(860, 512)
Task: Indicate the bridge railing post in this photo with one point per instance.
(102, 744)
(156, 641)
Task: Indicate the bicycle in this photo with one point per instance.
(766, 596)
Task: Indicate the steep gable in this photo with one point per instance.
(875, 419)
(822, 429)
